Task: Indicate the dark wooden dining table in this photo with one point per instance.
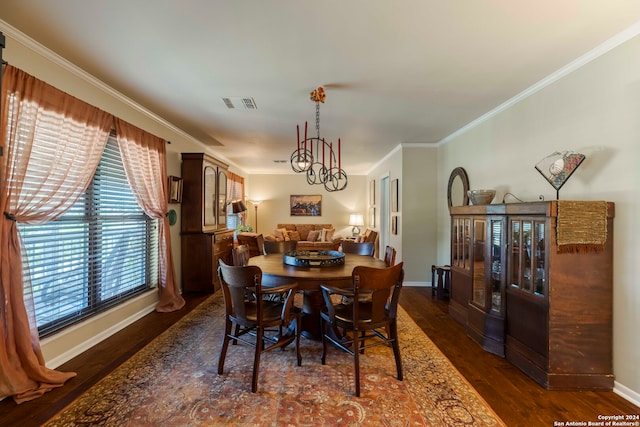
(275, 272)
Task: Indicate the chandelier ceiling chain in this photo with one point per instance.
(305, 159)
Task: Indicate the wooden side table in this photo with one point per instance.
(441, 291)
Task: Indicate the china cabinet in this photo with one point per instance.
(204, 234)
(549, 313)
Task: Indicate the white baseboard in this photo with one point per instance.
(417, 284)
(626, 393)
(84, 345)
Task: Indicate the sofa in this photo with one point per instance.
(309, 237)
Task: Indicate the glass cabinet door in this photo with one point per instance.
(496, 263)
(466, 243)
(209, 188)
(222, 198)
(456, 247)
(514, 254)
(539, 260)
(461, 243)
(527, 255)
(479, 282)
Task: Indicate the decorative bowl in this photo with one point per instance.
(481, 197)
(321, 258)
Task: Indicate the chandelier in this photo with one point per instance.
(317, 158)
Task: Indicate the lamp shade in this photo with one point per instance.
(238, 206)
(356, 220)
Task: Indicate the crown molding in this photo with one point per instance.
(580, 62)
(68, 66)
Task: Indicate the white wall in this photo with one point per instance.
(594, 110)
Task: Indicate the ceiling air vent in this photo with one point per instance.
(240, 103)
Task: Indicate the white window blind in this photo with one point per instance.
(100, 252)
(235, 191)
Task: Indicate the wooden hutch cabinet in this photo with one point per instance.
(549, 313)
(204, 233)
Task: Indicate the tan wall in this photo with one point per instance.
(415, 168)
(275, 190)
(419, 201)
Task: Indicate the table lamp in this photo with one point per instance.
(356, 221)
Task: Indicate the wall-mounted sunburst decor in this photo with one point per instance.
(558, 167)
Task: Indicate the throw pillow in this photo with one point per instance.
(327, 235)
(281, 234)
(293, 235)
(313, 235)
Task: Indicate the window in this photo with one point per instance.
(235, 191)
(100, 252)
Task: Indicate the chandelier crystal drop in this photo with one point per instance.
(317, 158)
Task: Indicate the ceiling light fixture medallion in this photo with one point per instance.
(306, 157)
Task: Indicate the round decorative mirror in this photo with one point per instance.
(458, 187)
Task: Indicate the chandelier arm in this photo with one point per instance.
(304, 159)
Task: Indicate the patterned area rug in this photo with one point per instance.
(173, 381)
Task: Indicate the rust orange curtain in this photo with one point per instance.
(58, 140)
(235, 187)
(144, 159)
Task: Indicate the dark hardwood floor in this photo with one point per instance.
(517, 399)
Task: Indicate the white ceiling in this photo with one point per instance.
(395, 71)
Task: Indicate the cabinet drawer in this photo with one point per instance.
(222, 242)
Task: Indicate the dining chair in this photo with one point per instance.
(279, 247)
(254, 240)
(364, 248)
(270, 324)
(390, 256)
(241, 255)
(365, 323)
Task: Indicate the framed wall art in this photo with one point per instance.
(372, 192)
(175, 189)
(394, 196)
(302, 205)
(394, 224)
(372, 217)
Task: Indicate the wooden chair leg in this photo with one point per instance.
(256, 359)
(323, 331)
(356, 361)
(235, 342)
(225, 345)
(297, 332)
(396, 349)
